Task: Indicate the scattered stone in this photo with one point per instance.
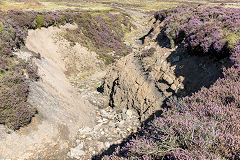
(78, 141)
(112, 124)
(176, 82)
(129, 113)
(181, 78)
(127, 43)
(91, 149)
(100, 145)
(162, 86)
(168, 79)
(181, 86)
(134, 46)
(164, 67)
(119, 111)
(122, 122)
(107, 144)
(76, 153)
(167, 94)
(99, 138)
(85, 130)
(173, 87)
(124, 110)
(102, 133)
(80, 146)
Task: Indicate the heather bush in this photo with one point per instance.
(203, 30)
(15, 111)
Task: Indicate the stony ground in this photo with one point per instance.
(112, 127)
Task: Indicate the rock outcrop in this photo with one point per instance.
(141, 83)
(146, 79)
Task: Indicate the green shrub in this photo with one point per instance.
(106, 58)
(1, 26)
(2, 73)
(15, 110)
(40, 21)
(231, 39)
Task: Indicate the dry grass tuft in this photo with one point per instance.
(28, 4)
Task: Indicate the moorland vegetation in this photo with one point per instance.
(204, 125)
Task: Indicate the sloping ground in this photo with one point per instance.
(61, 109)
(145, 80)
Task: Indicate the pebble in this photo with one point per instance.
(101, 145)
(76, 153)
(126, 43)
(80, 146)
(164, 67)
(111, 124)
(107, 144)
(129, 113)
(134, 46)
(91, 149)
(102, 133)
(85, 130)
(173, 87)
(78, 141)
(168, 79)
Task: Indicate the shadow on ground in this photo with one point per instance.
(198, 71)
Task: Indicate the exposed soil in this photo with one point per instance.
(62, 110)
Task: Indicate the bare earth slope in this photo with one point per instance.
(61, 110)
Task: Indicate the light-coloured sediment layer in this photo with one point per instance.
(61, 109)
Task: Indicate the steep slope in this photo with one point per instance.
(61, 109)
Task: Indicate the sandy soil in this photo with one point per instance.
(62, 110)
